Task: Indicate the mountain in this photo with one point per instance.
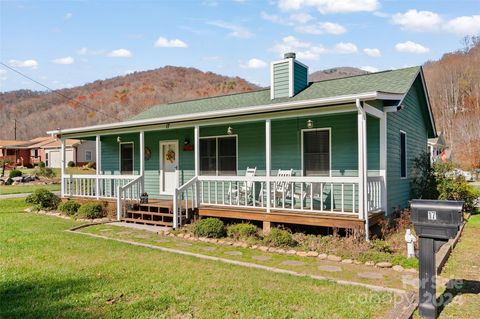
(335, 73)
(110, 100)
(453, 84)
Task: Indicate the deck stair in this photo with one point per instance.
(158, 213)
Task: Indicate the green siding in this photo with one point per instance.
(281, 79)
(411, 120)
(300, 77)
(373, 145)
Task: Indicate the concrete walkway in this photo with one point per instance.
(154, 229)
(21, 195)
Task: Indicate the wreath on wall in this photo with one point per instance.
(170, 156)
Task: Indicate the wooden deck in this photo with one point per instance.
(290, 217)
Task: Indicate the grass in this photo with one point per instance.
(463, 266)
(68, 170)
(49, 273)
(19, 189)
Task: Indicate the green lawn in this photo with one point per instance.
(19, 189)
(49, 273)
(68, 170)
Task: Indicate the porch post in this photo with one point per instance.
(142, 159)
(383, 160)
(268, 159)
(362, 165)
(98, 165)
(196, 150)
(62, 166)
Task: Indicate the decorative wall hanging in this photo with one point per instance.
(170, 156)
(148, 153)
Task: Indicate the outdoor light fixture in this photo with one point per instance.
(229, 130)
(310, 124)
(186, 141)
(119, 139)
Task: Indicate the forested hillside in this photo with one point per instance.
(109, 100)
(454, 86)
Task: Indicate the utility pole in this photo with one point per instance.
(15, 129)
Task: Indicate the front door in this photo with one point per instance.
(168, 166)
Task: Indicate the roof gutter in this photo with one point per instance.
(235, 112)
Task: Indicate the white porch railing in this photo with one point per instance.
(375, 186)
(185, 197)
(95, 186)
(300, 193)
(130, 191)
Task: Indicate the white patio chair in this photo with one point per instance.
(281, 189)
(244, 190)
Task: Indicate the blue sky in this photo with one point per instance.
(69, 43)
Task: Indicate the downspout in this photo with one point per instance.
(363, 159)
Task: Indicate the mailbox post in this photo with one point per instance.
(435, 222)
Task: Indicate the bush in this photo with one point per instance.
(424, 184)
(9, 181)
(279, 238)
(381, 246)
(45, 172)
(43, 199)
(15, 173)
(91, 210)
(91, 165)
(41, 164)
(238, 231)
(209, 227)
(71, 164)
(455, 187)
(69, 207)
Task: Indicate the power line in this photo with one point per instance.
(58, 93)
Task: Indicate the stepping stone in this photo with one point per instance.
(330, 268)
(124, 233)
(293, 263)
(370, 275)
(410, 280)
(208, 248)
(261, 258)
(162, 241)
(183, 244)
(106, 230)
(234, 253)
(142, 236)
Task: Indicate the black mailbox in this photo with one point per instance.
(437, 219)
(435, 222)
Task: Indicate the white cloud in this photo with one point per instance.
(304, 50)
(120, 53)
(24, 64)
(300, 17)
(346, 48)
(420, 21)
(65, 60)
(411, 47)
(465, 25)
(330, 6)
(373, 52)
(3, 72)
(370, 69)
(237, 31)
(166, 43)
(272, 18)
(254, 63)
(68, 16)
(322, 28)
(87, 51)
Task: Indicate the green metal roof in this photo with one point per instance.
(394, 81)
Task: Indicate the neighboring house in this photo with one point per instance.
(333, 153)
(437, 148)
(46, 149)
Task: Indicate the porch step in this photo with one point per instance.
(147, 222)
(145, 213)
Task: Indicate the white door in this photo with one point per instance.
(168, 166)
(54, 159)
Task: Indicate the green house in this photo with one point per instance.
(334, 153)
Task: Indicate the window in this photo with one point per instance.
(218, 156)
(126, 158)
(88, 156)
(316, 152)
(403, 154)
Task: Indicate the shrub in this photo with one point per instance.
(209, 227)
(91, 165)
(41, 164)
(424, 184)
(381, 246)
(9, 181)
(43, 199)
(45, 172)
(242, 231)
(91, 210)
(71, 164)
(15, 173)
(279, 238)
(69, 207)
